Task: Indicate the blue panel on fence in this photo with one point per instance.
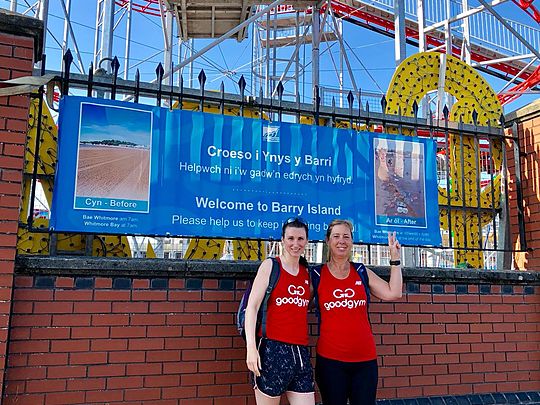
(134, 169)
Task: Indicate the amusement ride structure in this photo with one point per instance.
(456, 42)
(290, 39)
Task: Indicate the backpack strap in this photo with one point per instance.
(362, 272)
(274, 276)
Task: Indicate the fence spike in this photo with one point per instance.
(384, 103)
(202, 78)
(446, 112)
(90, 80)
(137, 85)
(475, 117)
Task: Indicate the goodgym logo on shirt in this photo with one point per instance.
(296, 292)
(344, 300)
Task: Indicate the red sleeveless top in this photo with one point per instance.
(288, 308)
(345, 332)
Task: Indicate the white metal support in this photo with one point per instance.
(127, 50)
(43, 15)
(104, 32)
(315, 43)
(68, 29)
(422, 47)
(168, 47)
(466, 45)
(440, 87)
(399, 31)
(343, 53)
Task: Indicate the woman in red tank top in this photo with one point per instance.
(280, 362)
(346, 367)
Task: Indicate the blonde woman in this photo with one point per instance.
(346, 366)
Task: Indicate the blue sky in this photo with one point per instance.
(373, 64)
(122, 124)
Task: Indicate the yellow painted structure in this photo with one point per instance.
(413, 78)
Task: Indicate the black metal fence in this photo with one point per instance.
(472, 224)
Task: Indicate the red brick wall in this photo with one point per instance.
(528, 132)
(16, 59)
(96, 340)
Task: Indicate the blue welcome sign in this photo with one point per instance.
(135, 169)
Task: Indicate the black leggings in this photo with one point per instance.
(339, 381)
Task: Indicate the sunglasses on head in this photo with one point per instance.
(295, 219)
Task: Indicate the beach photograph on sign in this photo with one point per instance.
(113, 159)
(399, 183)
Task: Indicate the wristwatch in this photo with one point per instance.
(395, 262)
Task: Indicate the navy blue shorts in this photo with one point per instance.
(284, 367)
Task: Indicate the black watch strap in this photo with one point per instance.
(395, 262)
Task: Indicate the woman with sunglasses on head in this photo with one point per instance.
(280, 362)
(346, 366)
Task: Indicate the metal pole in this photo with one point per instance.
(168, 57)
(315, 41)
(65, 37)
(399, 31)
(107, 32)
(466, 45)
(13, 6)
(297, 57)
(422, 47)
(128, 39)
(43, 15)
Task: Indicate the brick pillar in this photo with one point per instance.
(525, 124)
(20, 43)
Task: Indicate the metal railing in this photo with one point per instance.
(276, 109)
(485, 29)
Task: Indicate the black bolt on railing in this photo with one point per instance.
(462, 191)
(159, 76)
(68, 60)
(261, 102)
(90, 80)
(30, 220)
(492, 185)
(280, 90)
(350, 100)
(115, 66)
(222, 98)
(446, 113)
(137, 85)
(400, 118)
(242, 88)
(202, 82)
(430, 118)
(478, 170)
(297, 108)
(415, 115)
(519, 193)
(333, 115)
